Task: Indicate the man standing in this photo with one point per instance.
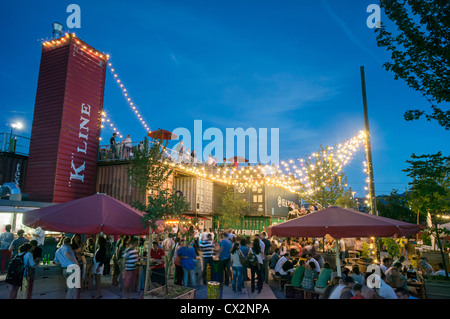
(267, 246)
(65, 257)
(224, 259)
(158, 274)
(168, 246)
(19, 241)
(207, 249)
(6, 238)
(112, 143)
(39, 235)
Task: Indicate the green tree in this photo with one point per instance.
(430, 188)
(420, 52)
(231, 209)
(346, 200)
(147, 169)
(149, 173)
(326, 181)
(395, 206)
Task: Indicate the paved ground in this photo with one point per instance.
(269, 291)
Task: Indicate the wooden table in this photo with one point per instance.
(416, 288)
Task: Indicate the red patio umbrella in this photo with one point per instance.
(342, 223)
(161, 134)
(238, 159)
(89, 215)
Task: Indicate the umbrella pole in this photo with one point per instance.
(338, 260)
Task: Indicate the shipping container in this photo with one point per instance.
(67, 120)
(265, 200)
(277, 201)
(198, 192)
(114, 180)
(13, 169)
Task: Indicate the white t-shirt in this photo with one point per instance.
(316, 263)
(39, 235)
(279, 264)
(336, 294)
(386, 291)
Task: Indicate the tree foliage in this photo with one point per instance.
(430, 188)
(325, 179)
(147, 170)
(396, 207)
(420, 52)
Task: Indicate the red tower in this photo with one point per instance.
(67, 120)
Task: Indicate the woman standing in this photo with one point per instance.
(99, 262)
(257, 267)
(187, 255)
(236, 266)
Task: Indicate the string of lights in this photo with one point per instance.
(107, 122)
(128, 99)
(281, 175)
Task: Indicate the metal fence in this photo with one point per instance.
(13, 143)
(125, 151)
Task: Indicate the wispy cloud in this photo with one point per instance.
(347, 30)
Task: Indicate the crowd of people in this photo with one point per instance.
(196, 257)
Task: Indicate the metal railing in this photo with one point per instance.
(12, 143)
(124, 151)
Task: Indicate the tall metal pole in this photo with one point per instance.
(373, 202)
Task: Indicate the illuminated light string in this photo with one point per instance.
(128, 99)
(63, 40)
(107, 122)
(288, 175)
(249, 176)
(338, 156)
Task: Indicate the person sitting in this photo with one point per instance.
(335, 282)
(280, 263)
(287, 269)
(297, 277)
(403, 293)
(440, 270)
(348, 282)
(394, 277)
(310, 258)
(357, 276)
(308, 279)
(357, 292)
(348, 293)
(425, 267)
(323, 279)
(274, 258)
(387, 262)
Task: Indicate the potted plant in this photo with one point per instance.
(170, 291)
(365, 259)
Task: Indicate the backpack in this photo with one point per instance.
(16, 271)
(252, 260)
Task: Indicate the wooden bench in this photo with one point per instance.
(281, 281)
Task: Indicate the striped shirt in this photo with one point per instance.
(207, 249)
(131, 258)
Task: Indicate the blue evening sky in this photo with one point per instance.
(290, 64)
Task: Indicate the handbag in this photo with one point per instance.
(177, 261)
(242, 259)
